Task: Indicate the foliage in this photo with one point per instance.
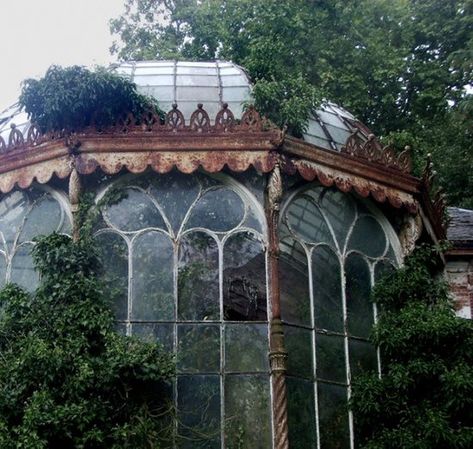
(399, 65)
(424, 399)
(67, 379)
(74, 97)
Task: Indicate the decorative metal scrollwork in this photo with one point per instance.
(200, 120)
(225, 119)
(16, 139)
(370, 149)
(251, 120)
(33, 137)
(174, 119)
(149, 122)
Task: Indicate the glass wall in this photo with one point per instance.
(24, 215)
(333, 247)
(185, 259)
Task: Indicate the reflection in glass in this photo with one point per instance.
(246, 348)
(340, 210)
(13, 208)
(298, 344)
(198, 405)
(333, 416)
(175, 193)
(330, 358)
(363, 357)
(199, 348)
(306, 220)
(327, 287)
(23, 272)
(198, 287)
(301, 414)
(156, 333)
(134, 212)
(244, 279)
(247, 412)
(43, 219)
(113, 255)
(152, 284)
(294, 283)
(368, 237)
(219, 210)
(383, 268)
(360, 316)
(3, 269)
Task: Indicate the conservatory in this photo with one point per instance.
(248, 253)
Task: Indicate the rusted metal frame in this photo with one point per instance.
(26, 157)
(180, 142)
(278, 354)
(352, 165)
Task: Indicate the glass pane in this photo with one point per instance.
(299, 348)
(246, 348)
(368, 237)
(330, 358)
(294, 283)
(327, 285)
(153, 297)
(219, 210)
(113, 254)
(13, 208)
(22, 270)
(301, 414)
(175, 194)
(199, 348)
(247, 412)
(333, 416)
(383, 268)
(43, 218)
(198, 404)
(244, 279)
(363, 357)
(252, 221)
(3, 269)
(198, 286)
(358, 288)
(340, 210)
(306, 220)
(134, 212)
(152, 332)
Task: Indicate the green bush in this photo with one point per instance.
(67, 379)
(424, 398)
(72, 98)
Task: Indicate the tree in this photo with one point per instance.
(424, 398)
(400, 66)
(74, 97)
(67, 379)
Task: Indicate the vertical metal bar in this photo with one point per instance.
(278, 355)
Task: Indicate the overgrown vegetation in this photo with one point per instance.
(399, 65)
(67, 379)
(72, 98)
(424, 398)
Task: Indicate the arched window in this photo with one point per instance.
(24, 215)
(333, 247)
(185, 258)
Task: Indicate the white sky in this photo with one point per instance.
(37, 33)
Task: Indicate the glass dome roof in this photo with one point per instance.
(211, 83)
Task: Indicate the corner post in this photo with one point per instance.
(75, 189)
(277, 355)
